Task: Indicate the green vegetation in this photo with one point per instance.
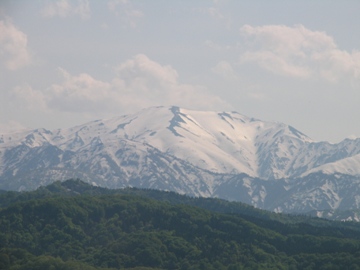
(72, 225)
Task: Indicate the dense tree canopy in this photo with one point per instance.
(105, 229)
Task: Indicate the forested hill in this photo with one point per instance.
(72, 225)
(77, 187)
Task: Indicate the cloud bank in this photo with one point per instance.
(298, 52)
(139, 82)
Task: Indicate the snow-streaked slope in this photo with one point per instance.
(223, 154)
(206, 139)
(349, 165)
(220, 142)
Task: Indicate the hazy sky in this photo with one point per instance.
(66, 62)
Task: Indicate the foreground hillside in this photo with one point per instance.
(75, 226)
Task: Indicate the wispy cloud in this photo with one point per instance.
(128, 14)
(218, 12)
(298, 52)
(65, 8)
(225, 70)
(11, 126)
(30, 98)
(14, 52)
(214, 12)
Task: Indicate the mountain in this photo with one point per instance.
(211, 154)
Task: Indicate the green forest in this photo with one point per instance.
(72, 225)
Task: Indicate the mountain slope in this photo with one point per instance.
(190, 152)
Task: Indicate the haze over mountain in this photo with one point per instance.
(202, 153)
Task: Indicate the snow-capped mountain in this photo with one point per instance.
(223, 154)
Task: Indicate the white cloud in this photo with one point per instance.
(214, 13)
(79, 93)
(139, 82)
(298, 52)
(218, 47)
(212, 45)
(218, 11)
(32, 99)
(142, 66)
(64, 8)
(225, 69)
(337, 65)
(125, 10)
(14, 52)
(277, 63)
(156, 84)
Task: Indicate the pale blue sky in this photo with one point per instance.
(66, 62)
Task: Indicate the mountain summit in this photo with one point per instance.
(193, 152)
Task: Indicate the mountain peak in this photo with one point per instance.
(200, 153)
(221, 142)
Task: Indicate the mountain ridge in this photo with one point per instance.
(200, 153)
